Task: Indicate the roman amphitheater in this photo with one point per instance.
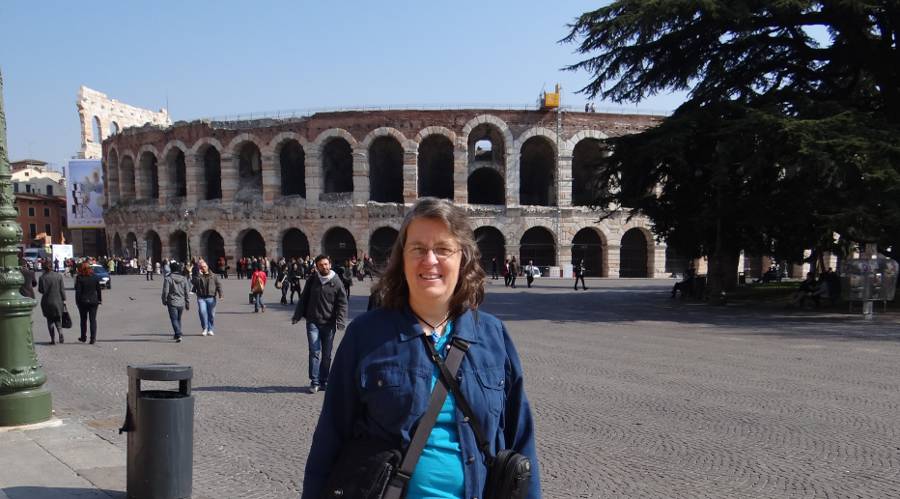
(339, 183)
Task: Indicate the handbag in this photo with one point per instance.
(66, 318)
(509, 472)
(369, 468)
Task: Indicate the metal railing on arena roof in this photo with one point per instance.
(305, 113)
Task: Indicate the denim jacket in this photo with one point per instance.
(380, 386)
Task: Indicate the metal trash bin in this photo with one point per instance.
(160, 426)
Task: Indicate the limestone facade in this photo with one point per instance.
(339, 183)
(100, 114)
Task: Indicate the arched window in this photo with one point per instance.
(149, 176)
(539, 245)
(337, 166)
(177, 172)
(293, 169)
(112, 179)
(633, 259)
(252, 244)
(118, 250)
(96, 130)
(178, 246)
(537, 173)
(154, 246)
(492, 246)
(249, 165)
(386, 170)
(212, 170)
(588, 246)
(131, 246)
(113, 128)
(436, 167)
(587, 160)
(339, 245)
(380, 245)
(126, 179)
(294, 244)
(212, 246)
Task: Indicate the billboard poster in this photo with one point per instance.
(84, 194)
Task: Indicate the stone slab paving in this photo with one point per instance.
(635, 394)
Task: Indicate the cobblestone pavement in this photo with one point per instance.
(635, 394)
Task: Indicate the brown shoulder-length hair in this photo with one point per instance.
(392, 288)
(85, 268)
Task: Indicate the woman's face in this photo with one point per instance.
(431, 260)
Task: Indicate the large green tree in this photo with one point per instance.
(789, 132)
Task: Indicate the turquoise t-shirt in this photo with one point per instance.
(439, 472)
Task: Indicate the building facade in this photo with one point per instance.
(43, 219)
(339, 183)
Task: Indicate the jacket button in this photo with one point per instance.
(466, 419)
(470, 460)
(380, 383)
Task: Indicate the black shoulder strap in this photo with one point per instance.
(448, 379)
(404, 473)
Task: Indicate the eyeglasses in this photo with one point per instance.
(442, 253)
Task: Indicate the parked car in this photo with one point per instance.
(101, 272)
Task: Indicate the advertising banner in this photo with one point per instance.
(84, 194)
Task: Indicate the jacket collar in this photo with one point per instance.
(464, 326)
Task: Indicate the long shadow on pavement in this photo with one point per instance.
(60, 493)
(251, 389)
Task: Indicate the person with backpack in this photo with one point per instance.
(257, 287)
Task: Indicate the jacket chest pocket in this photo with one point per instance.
(390, 396)
(491, 387)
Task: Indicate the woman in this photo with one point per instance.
(53, 301)
(382, 377)
(208, 290)
(257, 286)
(88, 298)
(176, 298)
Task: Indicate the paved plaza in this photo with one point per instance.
(634, 394)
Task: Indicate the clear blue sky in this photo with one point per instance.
(228, 57)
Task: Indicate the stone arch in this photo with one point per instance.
(131, 245)
(435, 167)
(117, 245)
(381, 243)
(251, 244)
(636, 253)
(538, 243)
(495, 121)
(112, 177)
(337, 165)
(436, 130)
(486, 186)
(580, 135)
(339, 245)
(153, 247)
(386, 169)
(385, 131)
(589, 244)
(497, 152)
(294, 243)
(176, 168)
(210, 178)
(289, 155)
(126, 178)
(96, 130)
(537, 172)
(178, 245)
(212, 247)
(113, 128)
(148, 186)
(246, 152)
(492, 246)
(588, 156)
(537, 131)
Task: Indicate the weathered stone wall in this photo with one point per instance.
(272, 214)
(111, 114)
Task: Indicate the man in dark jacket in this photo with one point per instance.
(323, 303)
(176, 297)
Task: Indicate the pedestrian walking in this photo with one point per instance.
(323, 303)
(494, 269)
(386, 369)
(513, 272)
(176, 297)
(28, 280)
(257, 287)
(530, 272)
(148, 269)
(507, 277)
(208, 289)
(88, 298)
(579, 271)
(53, 301)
